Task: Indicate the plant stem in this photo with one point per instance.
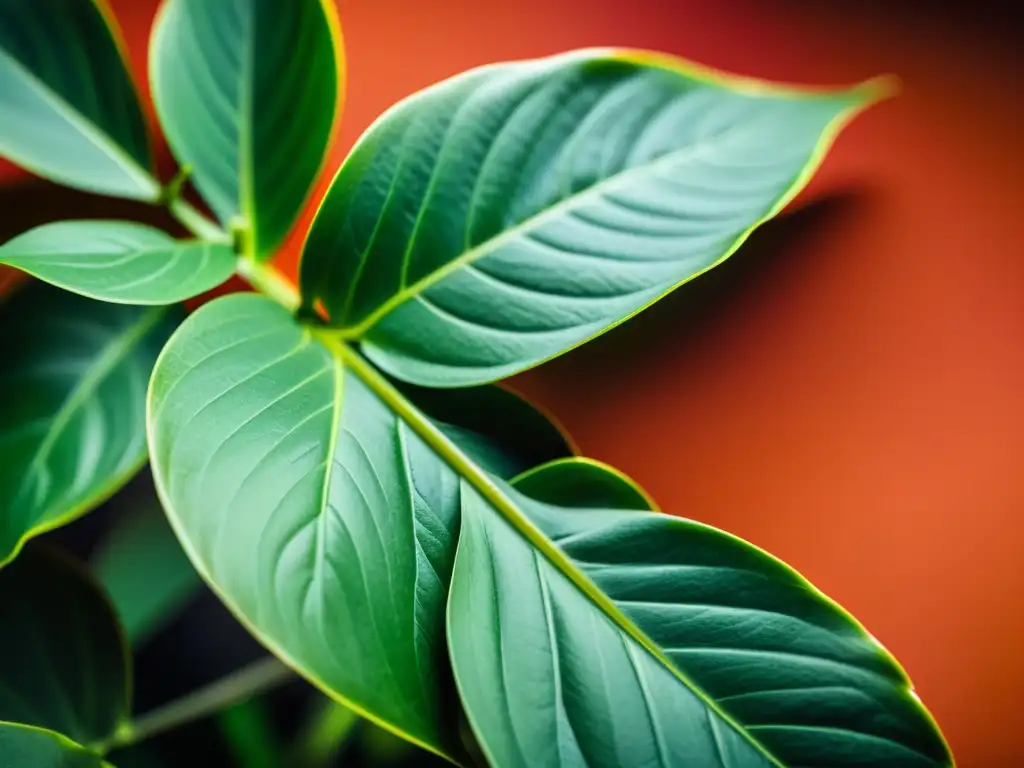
(257, 677)
(266, 279)
(195, 222)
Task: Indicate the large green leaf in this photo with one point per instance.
(247, 93)
(73, 385)
(504, 216)
(319, 516)
(120, 261)
(145, 572)
(324, 507)
(70, 111)
(63, 664)
(764, 653)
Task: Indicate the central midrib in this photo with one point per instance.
(494, 496)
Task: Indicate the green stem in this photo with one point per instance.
(236, 687)
(266, 279)
(261, 276)
(195, 222)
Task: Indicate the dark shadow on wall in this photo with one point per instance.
(678, 325)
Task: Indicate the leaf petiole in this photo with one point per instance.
(239, 686)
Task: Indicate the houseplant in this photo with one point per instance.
(337, 461)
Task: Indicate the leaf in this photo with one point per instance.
(506, 215)
(580, 482)
(146, 574)
(72, 429)
(503, 431)
(751, 664)
(319, 517)
(71, 112)
(120, 261)
(247, 94)
(23, 746)
(63, 662)
(323, 508)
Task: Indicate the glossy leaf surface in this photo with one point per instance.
(508, 214)
(247, 93)
(315, 512)
(72, 429)
(63, 660)
(120, 261)
(22, 746)
(324, 507)
(70, 110)
(801, 680)
(146, 574)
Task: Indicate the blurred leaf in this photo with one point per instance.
(145, 571)
(247, 93)
(63, 658)
(120, 261)
(73, 385)
(248, 730)
(324, 735)
(22, 746)
(70, 110)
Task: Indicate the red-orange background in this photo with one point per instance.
(848, 392)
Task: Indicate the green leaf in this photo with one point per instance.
(22, 746)
(146, 573)
(320, 518)
(120, 261)
(323, 507)
(247, 94)
(503, 431)
(580, 482)
(508, 214)
(71, 113)
(63, 661)
(749, 663)
(72, 429)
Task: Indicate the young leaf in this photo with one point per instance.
(72, 429)
(120, 261)
(247, 94)
(71, 113)
(146, 574)
(323, 507)
(746, 663)
(513, 212)
(63, 662)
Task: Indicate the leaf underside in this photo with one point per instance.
(324, 508)
(72, 429)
